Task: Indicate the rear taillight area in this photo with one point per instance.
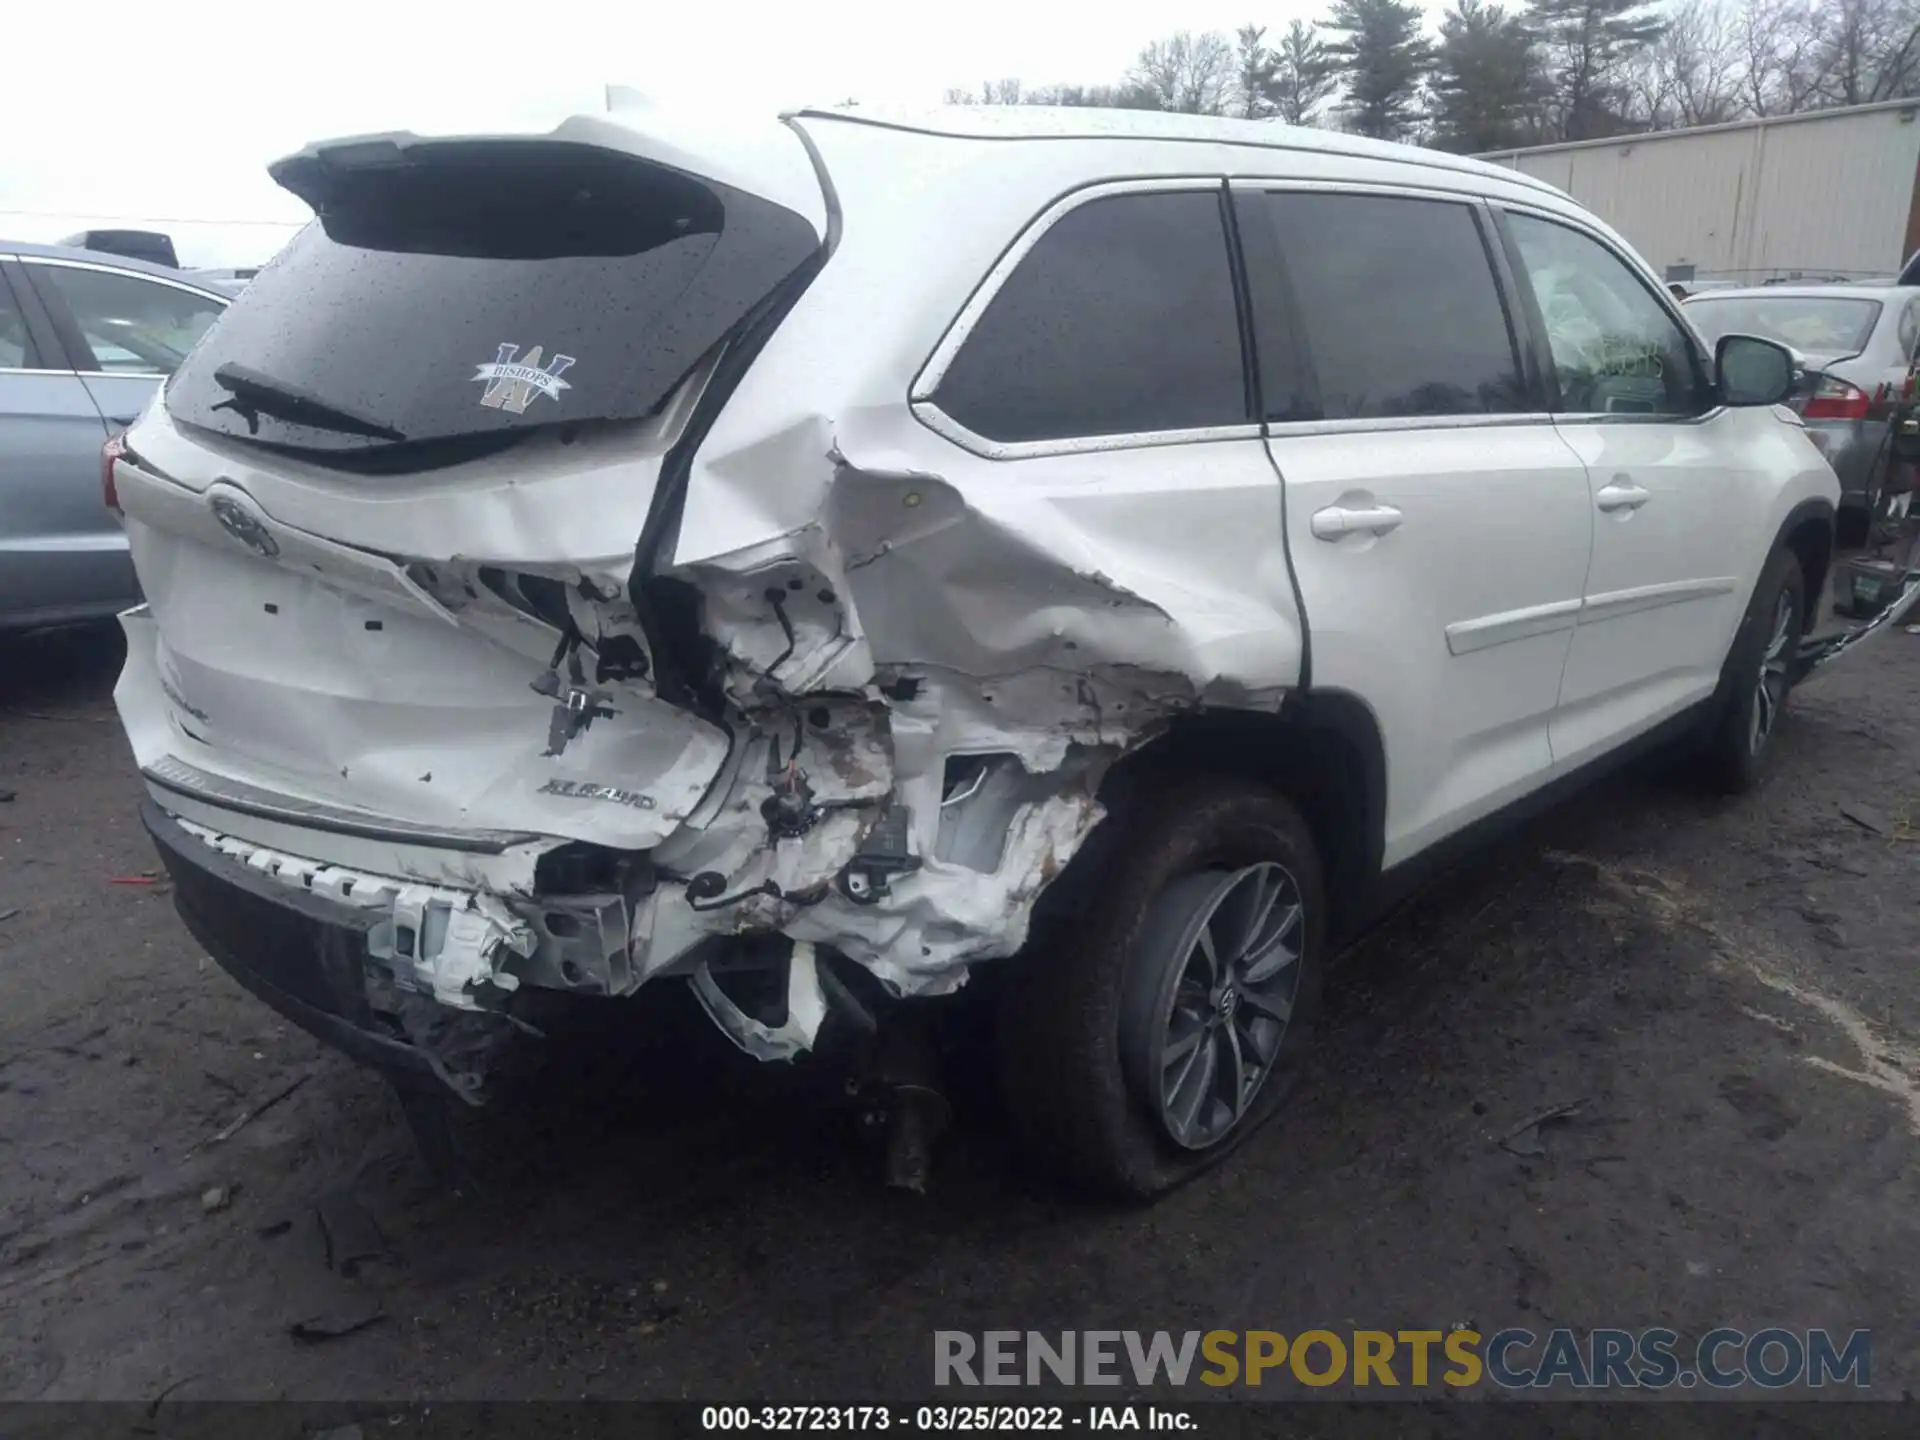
(109, 492)
(1834, 399)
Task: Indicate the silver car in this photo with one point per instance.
(84, 339)
(1862, 339)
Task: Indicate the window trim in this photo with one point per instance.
(927, 381)
(61, 262)
(1521, 338)
(45, 347)
(67, 325)
(1662, 298)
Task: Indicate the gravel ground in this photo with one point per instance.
(1728, 987)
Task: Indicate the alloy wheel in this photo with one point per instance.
(1219, 970)
(1770, 682)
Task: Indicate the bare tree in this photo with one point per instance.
(1100, 97)
(1775, 39)
(1592, 67)
(1192, 74)
(1868, 50)
(1691, 74)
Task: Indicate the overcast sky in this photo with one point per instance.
(159, 115)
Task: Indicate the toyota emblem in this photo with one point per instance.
(244, 526)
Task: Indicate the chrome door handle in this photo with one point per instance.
(1337, 520)
(1621, 497)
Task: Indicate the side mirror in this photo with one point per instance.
(1753, 371)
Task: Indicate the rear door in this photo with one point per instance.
(1680, 487)
(1098, 399)
(1437, 523)
(128, 331)
(61, 556)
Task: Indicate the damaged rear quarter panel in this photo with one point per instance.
(1055, 608)
(884, 602)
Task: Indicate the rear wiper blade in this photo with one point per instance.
(251, 395)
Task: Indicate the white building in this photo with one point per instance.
(1828, 195)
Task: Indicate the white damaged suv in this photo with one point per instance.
(816, 560)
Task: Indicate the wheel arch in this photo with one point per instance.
(1323, 750)
(1808, 531)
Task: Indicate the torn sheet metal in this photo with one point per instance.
(935, 922)
(971, 636)
(443, 943)
(923, 684)
(806, 1008)
(448, 947)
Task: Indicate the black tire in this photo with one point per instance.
(1734, 762)
(1066, 1001)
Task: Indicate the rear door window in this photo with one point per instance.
(1387, 308)
(473, 289)
(1120, 320)
(132, 325)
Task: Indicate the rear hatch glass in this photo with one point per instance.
(1832, 326)
(468, 291)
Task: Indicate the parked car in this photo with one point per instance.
(1109, 554)
(84, 339)
(1863, 341)
(154, 247)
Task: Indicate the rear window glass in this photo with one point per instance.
(474, 289)
(1119, 321)
(1814, 324)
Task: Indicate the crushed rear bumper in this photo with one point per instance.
(306, 955)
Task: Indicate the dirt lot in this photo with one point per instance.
(1730, 988)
